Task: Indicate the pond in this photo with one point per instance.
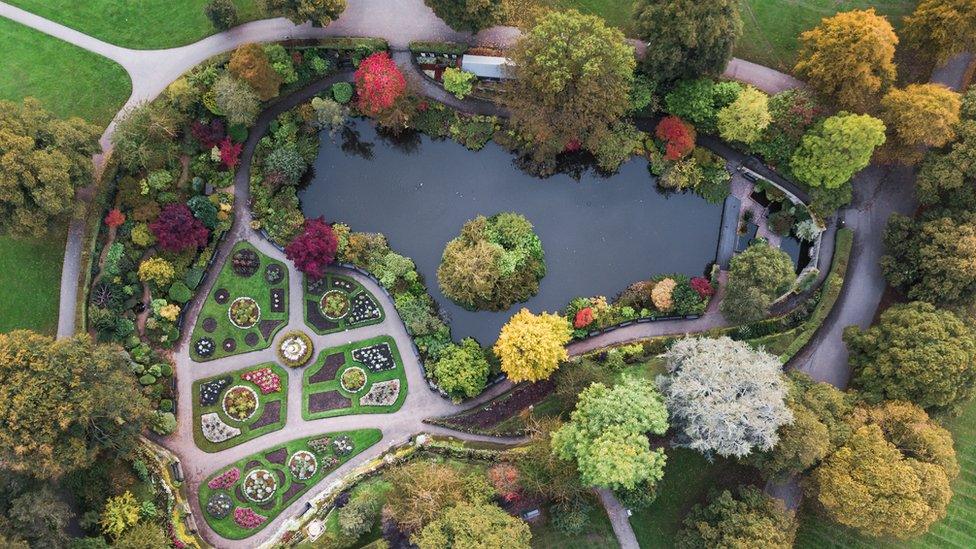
(600, 234)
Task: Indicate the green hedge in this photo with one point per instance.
(438, 47)
(348, 44)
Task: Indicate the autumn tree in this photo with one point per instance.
(932, 258)
(320, 12)
(921, 114)
(379, 83)
(145, 138)
(69, 400)
(749, 518)
(482, 525)
(687, 38)
(472, 15)
(236, 99)
(221, 13)
(830, 154)
(678, 137)
(757, 276)
(571, 83)
(176, 229)
(531, 347)
(250, 63)
(745, 118)
(892, 477)
(915, 352)
(849, 57)
(44, 159)
(462, 370)
(944, 173)
(424, 490)
(607, 434)
(724, 397)
(120, 513)
(942, 28)
(313, 249)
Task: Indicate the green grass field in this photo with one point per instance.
(68, 80)
(30, 275)
(142, 24)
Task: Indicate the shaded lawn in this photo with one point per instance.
(68, 80)
(598, 533)
(139, 24)
(30, 282)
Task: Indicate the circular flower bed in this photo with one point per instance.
(244, 312)
(273, 273)
(219, 505)
(221, 296)
(342, 445)
(204, 346)
(240, 403)
(334, 304)
(353, 379)
(295, 349)
(245, 262)
(302, 465)
(259, 485)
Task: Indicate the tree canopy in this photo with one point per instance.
(424, 490)
(942, 28)
(462, 370)
(745, 118)
(687, 38)
(320, 12)
(379, 83)
(831, 153)
(63, 401)
(757, 276)
(472, 15)
(531, 347)
(849, 57)
(921, 114)
(485, 526)
(44, 160)
(724, 397)
(749, 518)
(915, 352)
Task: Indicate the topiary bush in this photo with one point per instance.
(342, 92)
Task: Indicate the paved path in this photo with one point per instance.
(619, 519)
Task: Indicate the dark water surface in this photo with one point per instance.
(599, 234)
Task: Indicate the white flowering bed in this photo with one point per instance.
(363, 309)
(376, 358)
(382, 393)
(215, 430)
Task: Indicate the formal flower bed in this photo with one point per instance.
(353, 379)
(246, 518)
(220, 505)
(239, 406)
(245, 262)
(383, 393)
(342, 445)
(244, 312)
(302, 465)
(365, 377)
(334, 304)
(210, 391)
(295, 349)
(364, 309)
(215, 430)
(266, 380)
(259, 485)
(240, 403)
(375, 357)
(225, 480)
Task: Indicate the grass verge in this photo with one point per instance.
(333, 385)
(30, 275)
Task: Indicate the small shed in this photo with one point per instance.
(486, 67)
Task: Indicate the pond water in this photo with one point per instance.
(599, 234)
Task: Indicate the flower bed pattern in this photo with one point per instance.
(241, 306)
(268, 488)
(366, 377)
(295, 349)
(335, 303)
(219, 424)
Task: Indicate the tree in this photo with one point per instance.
(607, 435)
(757, 276)
(458, 82)
(678, 137)
(221, 13)
(485, 526)
(820, 413)
(146, 136)
(748, 519)
(69, 399)
(531, 347)
(830, 154)
(40, 517)
(236, 99)
(144, 535)
(572, 78)
(745, 118)
(379, 83)
(250, 63)
(44, 160)
(329, 114)
(472, 15)
(541, 472)
(425, 489)
(915, 352)
(872, 485)
(462, 370)
(320, 12)
(942, 28)
(114, 218)
(357, 517)
(314, 248)
(699, 101)
(685, 38)
(943, 174)
(724, 397)
(495, 262)
(932, 258)
(921, 114)
(120, 513)
(176, 229)
(849, 57)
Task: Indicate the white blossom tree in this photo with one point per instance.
(724, 397)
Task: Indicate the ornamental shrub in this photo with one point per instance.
(379, 83)
(179, 292)
(163, 423)
(221, 13)
(176, 229)
(204, 210)
(287, 162)
(661, 294)
(702, 286)
(313, 249)
(462, 370)
(141, 236)
(342, 92)
(156, 270)
(678, 137)
(114, 218)
(583, 318)
(458, 82)
(250, 63)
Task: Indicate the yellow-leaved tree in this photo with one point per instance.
(922, 114)
(942, 28)
(531, 347)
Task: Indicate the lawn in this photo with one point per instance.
(142, 24)
(324, 453)
(326, 394)
(598, 534)
(270, 414)
(68, 80)
(347, 304)
(30, 275)
(262, 281)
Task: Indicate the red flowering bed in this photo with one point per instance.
(246, 518)
(265, 379)
(226, 480)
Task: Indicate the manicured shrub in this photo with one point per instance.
(661, 295)
(179, 292)
(156, 270)
(342, 92)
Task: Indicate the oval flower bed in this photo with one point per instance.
(334, 304)
(240, 403)
(295, 349)
(259, 485)
(303, 465)
(244, 312)
(353, 379)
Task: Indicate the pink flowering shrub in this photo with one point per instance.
(265, 379)
(246, 518)
(225, 480)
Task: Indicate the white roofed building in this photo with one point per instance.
(486, 67)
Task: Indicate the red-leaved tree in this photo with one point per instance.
(584, 317)
(207, 134)
(114, 218)
(314, 248)
(230, 153)
(678, 137)
(379, 83)
(176, 229)
(702, 286)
